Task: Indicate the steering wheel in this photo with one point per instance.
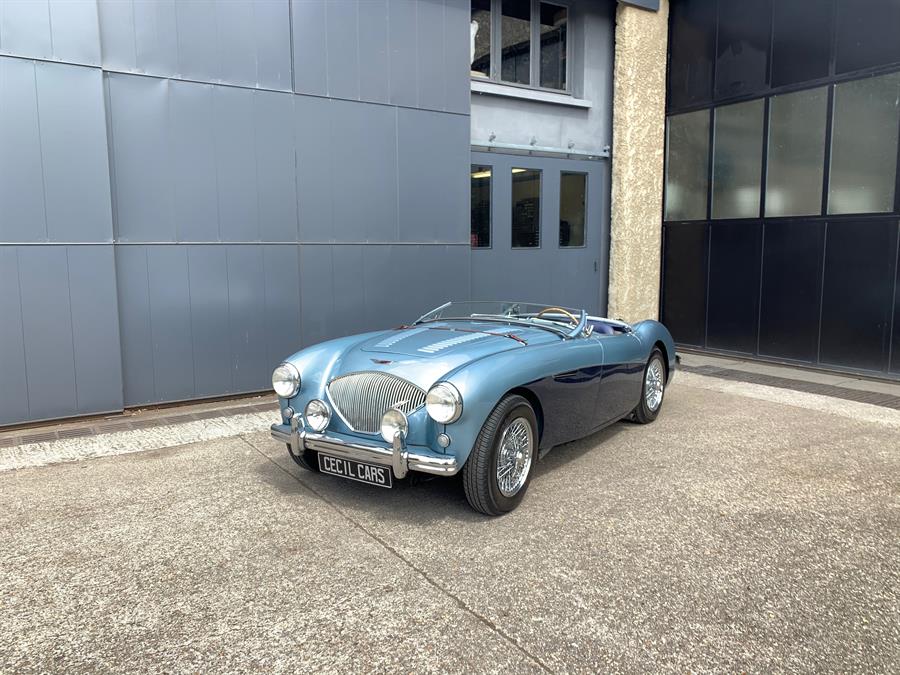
(556, 310)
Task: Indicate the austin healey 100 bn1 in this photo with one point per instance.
(482, 388)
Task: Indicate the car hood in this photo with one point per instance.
(423, 354)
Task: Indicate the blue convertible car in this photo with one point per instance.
(482, 388)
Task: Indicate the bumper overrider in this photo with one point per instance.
(398, 457)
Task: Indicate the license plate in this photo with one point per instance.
(373, 474)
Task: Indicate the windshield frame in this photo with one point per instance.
(566, 330)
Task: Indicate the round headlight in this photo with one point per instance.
(317, 415)
(393, 421)
(286, 380)
(444, 403)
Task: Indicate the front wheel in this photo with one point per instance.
(497, 472)
(653, 389)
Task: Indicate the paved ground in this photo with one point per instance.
(745, 530)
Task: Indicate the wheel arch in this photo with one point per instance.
(665, 352)
(535, 402)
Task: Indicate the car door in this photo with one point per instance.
(622, 376)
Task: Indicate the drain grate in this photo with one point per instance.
(860, 396)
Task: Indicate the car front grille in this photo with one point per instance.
(361, 399)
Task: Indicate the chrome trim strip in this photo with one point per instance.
(399, 457)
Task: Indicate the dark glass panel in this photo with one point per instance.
(734, 256)
(481, 38)
(572, 203)
(526, 208)
(481, 206)
(684, 282)
(867, 34)
(737, 159)
(800, 49)
(858, 293)
(742, 54)
(515, 33)
(553, 26)
(796, 153)
(791, 290)
(691, 51)
(687, 165)
(864, 145)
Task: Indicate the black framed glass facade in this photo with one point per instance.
(480, 204)
(526, 208)
(782, 195)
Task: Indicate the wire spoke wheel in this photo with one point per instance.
(514, 456)
(654, 384)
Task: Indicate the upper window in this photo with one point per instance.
(521, 42)
(737, 159)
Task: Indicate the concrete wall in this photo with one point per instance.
(190, 191)
(637, 156)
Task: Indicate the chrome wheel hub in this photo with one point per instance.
(514, 456)
(654, 384)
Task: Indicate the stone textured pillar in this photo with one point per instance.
(639, 103)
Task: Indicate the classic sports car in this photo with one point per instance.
(478, 387)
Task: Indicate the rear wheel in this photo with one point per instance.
(653, 389)
(498, 471)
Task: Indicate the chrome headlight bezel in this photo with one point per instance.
(392, 421)
(319, 419)
(287, 377)
(444, 403)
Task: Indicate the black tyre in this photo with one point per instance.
(498, 471)
(309, 460)
(652, 389)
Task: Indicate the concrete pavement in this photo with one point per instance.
(740, 531)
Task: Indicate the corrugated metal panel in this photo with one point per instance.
(74, 155)
(21, 174)
(14, 392)
(363, 151)
(246, 318)
(314, 167)
(56, 29)
(134, 320)
(276, 188)
(374, 60)
(145, 197)
(341, 25)
(430, 206)
(95, 328)
(208, 271)
(402, 41)
(457, 15)
(281, 265)
(236, 164)
(430, 73)
(308, 21)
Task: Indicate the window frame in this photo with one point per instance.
(534, 74)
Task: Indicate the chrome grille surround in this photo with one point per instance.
(362, 398)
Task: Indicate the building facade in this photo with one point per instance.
(781, 196)
(190, 191)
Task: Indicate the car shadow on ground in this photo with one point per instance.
(422, 499)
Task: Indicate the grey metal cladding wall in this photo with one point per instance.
(54, 172)
(205, 320)
(199, 162)
(242, 42)
(347, 289)
(63, 30)
(59, 337)
(404, 52)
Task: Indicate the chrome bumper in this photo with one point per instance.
(398, 456)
